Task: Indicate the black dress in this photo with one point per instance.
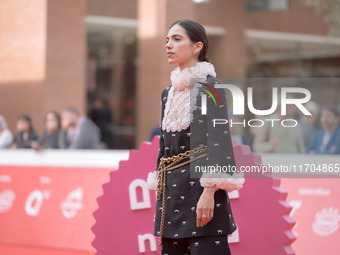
(183, 192)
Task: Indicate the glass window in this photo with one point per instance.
(267, 5)
(111, 83)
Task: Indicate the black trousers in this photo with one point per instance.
(198, 245)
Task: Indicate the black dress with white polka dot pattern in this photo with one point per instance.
(183, 192)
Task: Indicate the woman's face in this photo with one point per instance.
(179, 48)
(328, 119)
(51, 123)
(23, 126)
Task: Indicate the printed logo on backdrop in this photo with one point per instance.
(326, 221)
(70, 206)
(296, 204)
(5, 178)
(6, 200)
(35, 201)
(72, 203)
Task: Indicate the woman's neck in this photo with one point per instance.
(53, 132)
(190, 63)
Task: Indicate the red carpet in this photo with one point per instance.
(27, 250)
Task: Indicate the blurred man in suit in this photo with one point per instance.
(80, 132)
(327, 140)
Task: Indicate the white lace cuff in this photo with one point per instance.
(152, 181)
(220, 181)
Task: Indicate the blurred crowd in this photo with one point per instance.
(67, 130)
(315, 134)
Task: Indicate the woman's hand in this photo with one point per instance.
(205, 207)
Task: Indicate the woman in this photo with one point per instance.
(193, 215)
(50, 139)
(6, 137)
(26, 136)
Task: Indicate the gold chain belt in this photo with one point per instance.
(162, 169)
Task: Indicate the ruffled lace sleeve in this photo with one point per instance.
(221, 159)
(152, 176)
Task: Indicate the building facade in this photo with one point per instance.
(56, 54)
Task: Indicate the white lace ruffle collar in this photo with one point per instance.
(182, 101)
(180, 80)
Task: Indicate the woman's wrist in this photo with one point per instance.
(209, 190)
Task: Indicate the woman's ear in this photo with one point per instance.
(198, 47)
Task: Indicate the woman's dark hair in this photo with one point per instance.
(56, 116)
(27, 118)
(196, 33)
(332, 109)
